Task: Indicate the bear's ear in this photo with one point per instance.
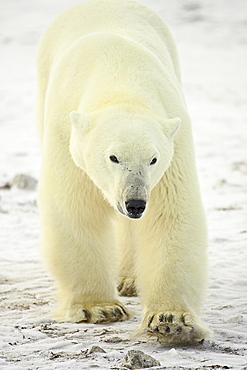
(79, 121)
(171, 127)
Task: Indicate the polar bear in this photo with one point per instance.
(118, 183)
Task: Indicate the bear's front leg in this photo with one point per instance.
(79, 249)
(171, 275)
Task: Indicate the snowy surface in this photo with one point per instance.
(212, 41)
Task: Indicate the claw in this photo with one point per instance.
(117, 312)
(87, 315)
(150, 319)
(102, 313)
(161, 317)
(123, 310)
(170, 318)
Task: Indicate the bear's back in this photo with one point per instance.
(126, 18)
(123, 17)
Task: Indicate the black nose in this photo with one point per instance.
(135, 208)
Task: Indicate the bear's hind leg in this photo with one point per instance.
(126, 258)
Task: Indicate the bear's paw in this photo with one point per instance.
(173, 327)
(126, 287)
(100, 313)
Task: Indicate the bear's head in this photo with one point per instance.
(124, 153)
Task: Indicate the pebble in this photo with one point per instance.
(138, 360)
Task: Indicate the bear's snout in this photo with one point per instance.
(135, 208)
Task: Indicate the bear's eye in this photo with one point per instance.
(153, 161)
(114, 159)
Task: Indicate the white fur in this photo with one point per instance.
(109, 85)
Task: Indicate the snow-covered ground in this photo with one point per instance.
(212, 41)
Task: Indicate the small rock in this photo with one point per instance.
(94, 349)
(24, 182)
(114, 340)
(138, 360)
(173, 352)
